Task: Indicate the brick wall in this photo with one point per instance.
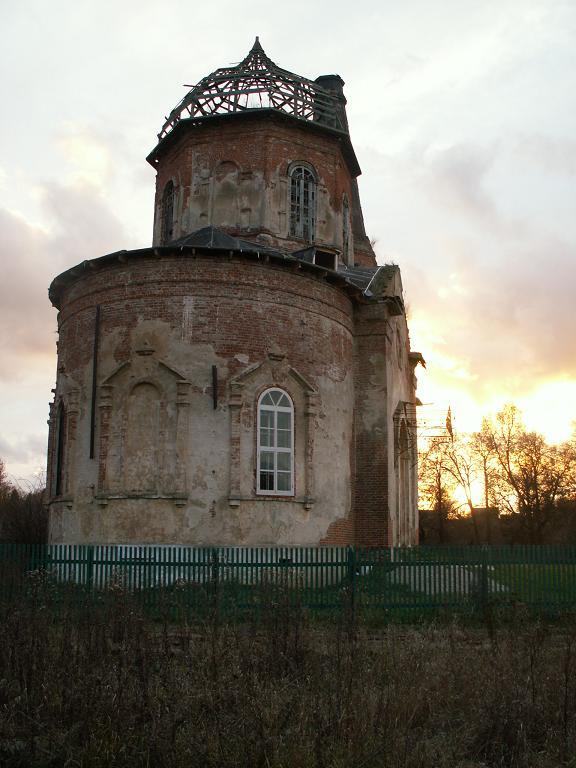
(262, 148)
(195, 312)
(240, 307)
(371, 426)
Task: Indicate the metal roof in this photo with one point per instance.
(213, 237)
(362, 281)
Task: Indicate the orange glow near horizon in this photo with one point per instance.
(548, 407)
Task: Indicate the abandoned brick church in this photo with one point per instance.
(248, 379)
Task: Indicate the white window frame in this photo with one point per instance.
(275, 450)
(302, 202)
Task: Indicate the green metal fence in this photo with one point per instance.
(391, 582)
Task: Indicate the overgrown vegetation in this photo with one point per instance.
(107, 687)
(23, 515)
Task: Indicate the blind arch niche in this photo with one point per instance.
(142, 437)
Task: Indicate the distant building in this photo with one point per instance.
(246, 380)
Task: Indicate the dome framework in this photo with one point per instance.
(258, 83)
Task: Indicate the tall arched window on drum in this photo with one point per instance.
(275, 470)
(302, 203)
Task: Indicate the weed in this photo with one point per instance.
(102, 684)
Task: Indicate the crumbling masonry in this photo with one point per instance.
(247, 380)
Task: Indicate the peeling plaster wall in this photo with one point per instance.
(234, 175)
(163, 324)
(401, 388)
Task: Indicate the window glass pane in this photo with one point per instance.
(266, 460)
(266, 419)
(266, 481)
(302, 203)
(283, 420)
(267, 399)
(284, 438)
(284, 461)
(284, 481)
(266, 438)
(279, 397)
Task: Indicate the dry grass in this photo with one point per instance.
(107, 687)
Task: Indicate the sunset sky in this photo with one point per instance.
(463, 116)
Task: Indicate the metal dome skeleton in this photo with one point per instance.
(258, 83)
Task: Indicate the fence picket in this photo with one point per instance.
(398, 581)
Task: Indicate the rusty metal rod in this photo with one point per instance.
(215, 386)
(94, 379)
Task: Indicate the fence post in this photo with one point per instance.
(90, 568)
(484, 579)
(351, 558)
(215, 569)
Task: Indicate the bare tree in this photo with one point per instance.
(528, 477)
(436, 483)
(461, 464)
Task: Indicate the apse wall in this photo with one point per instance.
(185, 345)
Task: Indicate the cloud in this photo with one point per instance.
(490, 290)
(509, 325)
(88, 154)
(81, 227)
(79, 221)
(456, 176)
(84, 226)
(556, 155)
(30, 449)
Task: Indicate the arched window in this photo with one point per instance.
(302, 203)
(60, 450)
(404, 495)
(275, 443)
(167, 212)
(345, 229)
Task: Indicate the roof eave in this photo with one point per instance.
(191, 122)
(69, 276)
